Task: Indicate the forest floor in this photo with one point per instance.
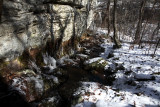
(136, 85)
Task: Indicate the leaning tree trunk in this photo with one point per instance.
(109, 18)
(139, 25)
(115, 36)
(1, 4)
(156, 47)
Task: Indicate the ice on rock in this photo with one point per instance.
(64, 59)
(49, 61)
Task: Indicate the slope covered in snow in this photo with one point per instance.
(137, 85)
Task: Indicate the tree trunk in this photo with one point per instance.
(155, 31)
(156, 47)
(139, 25)
(108, 12)
(115, 36)
(146, 23)
(1, 5)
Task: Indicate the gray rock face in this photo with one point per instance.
(29, 24)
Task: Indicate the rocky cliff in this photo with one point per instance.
(31, 28)
(30, 24)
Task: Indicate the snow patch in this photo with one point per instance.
(92, 60)
(49, 61)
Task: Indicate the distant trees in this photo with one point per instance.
(132, 20)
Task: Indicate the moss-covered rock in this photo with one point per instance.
(98, 64)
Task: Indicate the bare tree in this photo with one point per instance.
(139, 25)
(155, 31)
(1, 5)
(146, 23)
(108, 13)
(115, 36)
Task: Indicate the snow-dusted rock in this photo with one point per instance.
(32, 86)
(99, 64)
(53, 101)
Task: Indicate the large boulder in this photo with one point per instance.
(32, 86)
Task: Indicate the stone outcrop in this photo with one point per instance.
(29, 24)
(29, 28)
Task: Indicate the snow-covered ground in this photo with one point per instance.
(123, 37)
(136, 86)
